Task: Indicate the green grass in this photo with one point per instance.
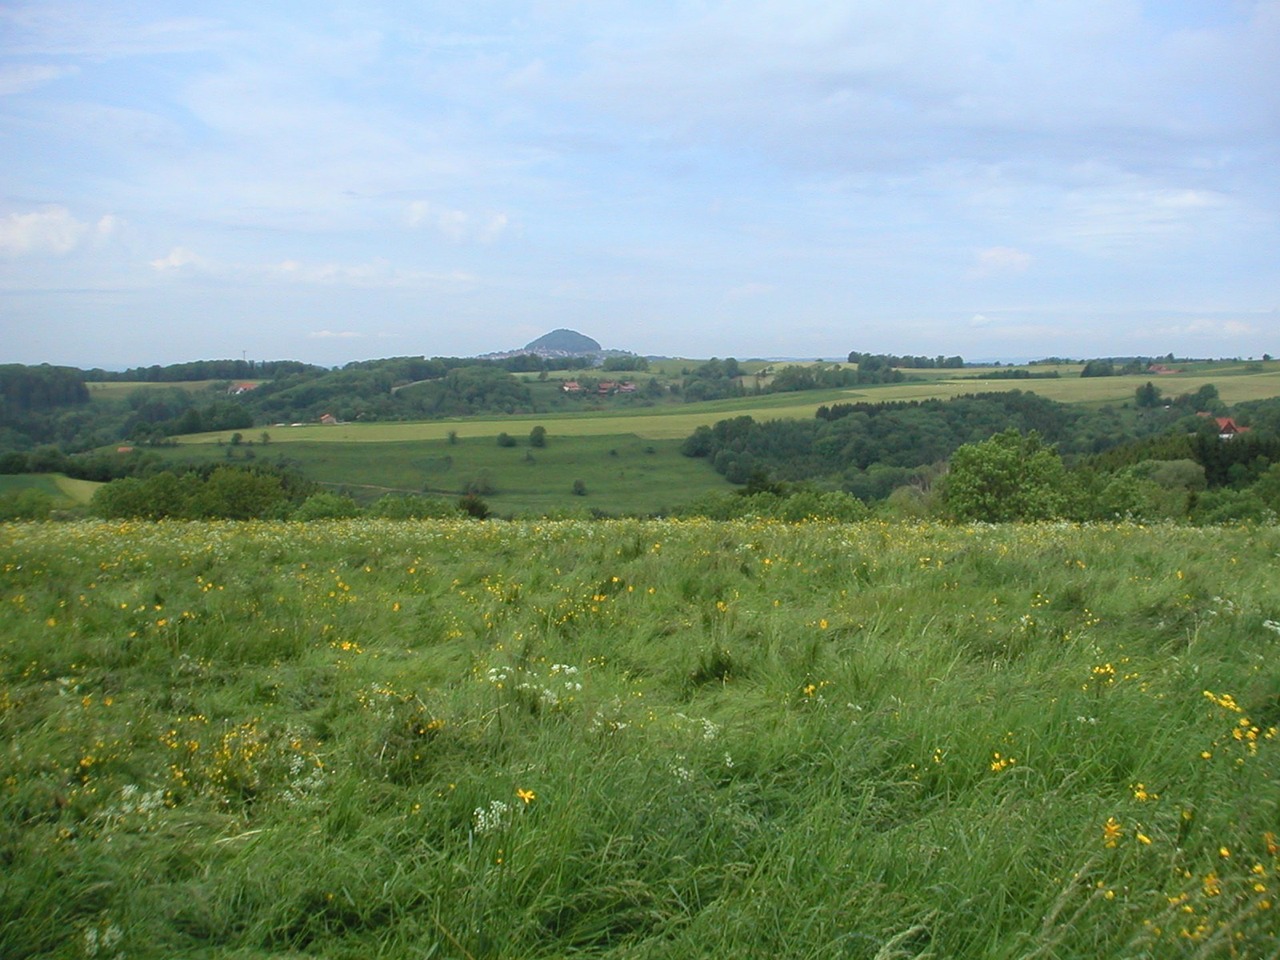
(64, 490)
(622, 473)
(44, 482)
(120, 390)
(638, 740)
(679, 420)
(77, 491)
(411, 456)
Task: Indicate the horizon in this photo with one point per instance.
(371, 180)
(968, 361)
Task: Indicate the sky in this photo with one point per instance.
(352, 179)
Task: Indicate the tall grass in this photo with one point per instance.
(638, 739)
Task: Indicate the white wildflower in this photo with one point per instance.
(494, 817)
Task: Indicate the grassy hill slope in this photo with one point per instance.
(638, 739)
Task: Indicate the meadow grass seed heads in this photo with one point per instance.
(780, 769)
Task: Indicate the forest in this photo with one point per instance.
(1163, 462)
(46, 405)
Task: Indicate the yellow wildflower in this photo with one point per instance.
(1112, 831)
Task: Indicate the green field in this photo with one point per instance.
(120, 390)
(637, 739)
(622, 473)
(43, 482)
(64, 491)
(679, 420)
(628, 458)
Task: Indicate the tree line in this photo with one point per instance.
(39, 389)
(877, 361)
(1129, 461)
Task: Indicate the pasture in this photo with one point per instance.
(627, 457)
(62, 490)
(621, 473)
(677, 421)
(638, 739)
(121, 389)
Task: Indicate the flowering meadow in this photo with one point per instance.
(640, 739)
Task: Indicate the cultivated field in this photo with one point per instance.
(638, 739)
(629, 458)
(680, 420)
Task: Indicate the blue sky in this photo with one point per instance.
(343, 180)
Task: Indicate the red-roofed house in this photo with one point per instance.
(1228, 428)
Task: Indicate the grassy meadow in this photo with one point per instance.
(121, 389)
(638, 739)
(622, 473)
(63, 491)
(628, 458)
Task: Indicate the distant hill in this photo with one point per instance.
(563, 342)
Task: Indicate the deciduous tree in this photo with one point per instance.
(1011, 476)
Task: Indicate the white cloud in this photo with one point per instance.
(335, 335)
(457, 225)
(19, 78)
(1209, 328)
(373, 274)
(377, 274)
(97, 31)
(1111, 155)
(50, 231)
(1133, 213)
(979, 320)
(177, 259)
(994, 260)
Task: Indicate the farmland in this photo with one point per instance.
(63, 491)
(621, 473)
(638, 739)
(678, 421)
(627, 458)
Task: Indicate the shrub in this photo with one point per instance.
(395, 506)
(26, 505)
(473, 506)
(327, 506)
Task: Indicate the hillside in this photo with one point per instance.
(639, 739)
(563, 342)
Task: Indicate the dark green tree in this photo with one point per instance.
(1098, 368)
(1011, 476)
(1147, 395)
